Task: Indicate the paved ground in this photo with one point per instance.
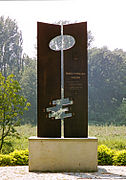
(22, 173)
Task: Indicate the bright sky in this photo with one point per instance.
(106, 19)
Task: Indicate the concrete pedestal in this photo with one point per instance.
(58, 154)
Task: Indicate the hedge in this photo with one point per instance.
(120, 158)
(106, 156)
(15, 158)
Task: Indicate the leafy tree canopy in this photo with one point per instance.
(12, 106)
(107, 83)
(10, 47)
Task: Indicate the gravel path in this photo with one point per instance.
(22, 173)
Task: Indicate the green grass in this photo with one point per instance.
(20, 143)
(113, 137)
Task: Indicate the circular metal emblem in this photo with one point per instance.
(58, 43)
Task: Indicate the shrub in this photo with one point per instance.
(105, 155)
(20, 156)
(6, 160)
(120, 158)
(15, 158)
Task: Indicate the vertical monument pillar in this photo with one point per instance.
(73, 60)
(76, 81)
(62, 140)
(48, 77)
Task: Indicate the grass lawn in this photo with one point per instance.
(112, 136)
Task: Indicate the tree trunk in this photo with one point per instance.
(2, 136)
(2, 139)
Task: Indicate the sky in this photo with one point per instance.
(105, 18)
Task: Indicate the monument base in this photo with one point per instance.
(62, 154)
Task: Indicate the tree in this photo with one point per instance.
(90, 39)
(29, 88)
(12, 106)
(10, 47)
(107, 83)
(120, 117)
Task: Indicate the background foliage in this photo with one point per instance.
(107, 86)
(10, 47)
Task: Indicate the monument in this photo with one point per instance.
(62, 142)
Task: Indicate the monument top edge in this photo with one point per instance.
(60, 139)
(63, 22)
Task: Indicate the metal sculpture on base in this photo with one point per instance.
(62, 80)
(62, 102)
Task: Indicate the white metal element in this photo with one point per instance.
(62, 80)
